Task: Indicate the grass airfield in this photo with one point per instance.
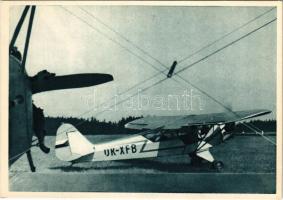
(249, 167)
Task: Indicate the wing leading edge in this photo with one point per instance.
(176, 122)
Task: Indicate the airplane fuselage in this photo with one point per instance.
(73, 147)
(131, 147)
(138, 146)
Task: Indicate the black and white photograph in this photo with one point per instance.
(140, 97)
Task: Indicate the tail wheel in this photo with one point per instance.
(218, 165)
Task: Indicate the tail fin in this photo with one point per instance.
(70, 144)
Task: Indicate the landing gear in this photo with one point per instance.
(32, 167)
(198, 161)
(195, 160)
(72, 164)
(44, 148)
(218, 165)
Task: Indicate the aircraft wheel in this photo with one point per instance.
(218, 165)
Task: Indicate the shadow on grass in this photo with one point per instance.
(142, 164)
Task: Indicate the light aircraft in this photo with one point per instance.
(193, 135)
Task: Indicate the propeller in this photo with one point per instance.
(45, 81)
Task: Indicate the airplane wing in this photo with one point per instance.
(48, 82)
(177, 122)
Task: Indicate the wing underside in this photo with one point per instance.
(177, 122)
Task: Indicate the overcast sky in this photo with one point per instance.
(242, 76)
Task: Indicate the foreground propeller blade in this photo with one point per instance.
(46, 81)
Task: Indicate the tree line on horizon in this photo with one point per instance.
(93, 126)
(90, 126)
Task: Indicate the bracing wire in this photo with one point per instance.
(120, 35)
(21, 153)
(180, 61)
(183, 69)
(177, 73)
(224, 47)
(225, 36)
(122, 46)
(120, 102)
(227, 45)
(113, 40)
(256, 131)
(119, 44)
(100, 21)
(164, 72)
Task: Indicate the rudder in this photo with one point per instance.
(70, 144)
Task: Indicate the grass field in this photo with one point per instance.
(241, 154)
(249, 167)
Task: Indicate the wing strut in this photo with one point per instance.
(17, 31)
(18, 28)
(28, 36)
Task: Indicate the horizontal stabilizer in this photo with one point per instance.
(48, 83)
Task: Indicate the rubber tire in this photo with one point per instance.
(218, 165)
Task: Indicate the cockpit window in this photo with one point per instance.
(158, 136)
(154, 137)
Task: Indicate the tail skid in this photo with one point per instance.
(70, 144)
